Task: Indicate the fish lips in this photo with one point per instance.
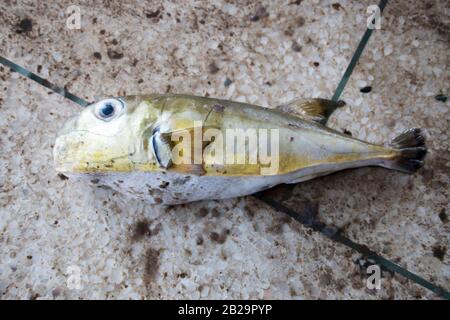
(66, 151)
(82, 151)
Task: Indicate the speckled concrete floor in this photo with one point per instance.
(237, 248)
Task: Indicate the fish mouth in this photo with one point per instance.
(68, 148)
(81, 151)
(61, 149)
(63, 152)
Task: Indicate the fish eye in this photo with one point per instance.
(108, 109)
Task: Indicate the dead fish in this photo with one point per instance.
(172, 149)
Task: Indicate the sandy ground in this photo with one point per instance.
(271, 52)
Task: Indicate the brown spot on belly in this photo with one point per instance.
(181, 181)
(164, 184)
(62, 177)
(154, 192)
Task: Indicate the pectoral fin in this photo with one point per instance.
(318, 110)
(163, 144)
(161, 149)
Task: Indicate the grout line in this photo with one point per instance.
(359, 50)
(44, 82)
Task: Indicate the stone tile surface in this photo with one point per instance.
(271, 52)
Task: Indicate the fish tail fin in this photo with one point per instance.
(411, 151)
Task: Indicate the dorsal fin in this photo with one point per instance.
(316, 109)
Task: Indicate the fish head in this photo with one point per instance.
(105, 137)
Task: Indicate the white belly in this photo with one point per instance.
(175, 188)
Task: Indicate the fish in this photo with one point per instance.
(173, 148)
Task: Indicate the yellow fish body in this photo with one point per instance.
(174, 149)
